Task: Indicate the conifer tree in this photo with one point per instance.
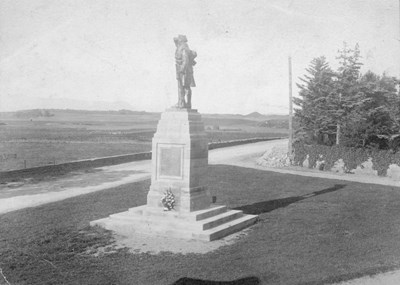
(378, 116)
(346, 100)
(315, 88)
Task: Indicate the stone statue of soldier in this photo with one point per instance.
(184, 59)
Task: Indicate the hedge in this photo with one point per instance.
(352, 157)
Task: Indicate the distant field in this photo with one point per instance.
(74, 135)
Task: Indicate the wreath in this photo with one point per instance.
(168, 200)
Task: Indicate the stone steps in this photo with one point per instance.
(207, 225)
(210, 212)
(227, 228)
(220, 219)
(192, 216)
(163, 219)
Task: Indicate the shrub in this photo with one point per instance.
(352, 157)
(381, 159)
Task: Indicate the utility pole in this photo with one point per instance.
(290, 150)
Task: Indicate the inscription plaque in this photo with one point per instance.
(170, 163)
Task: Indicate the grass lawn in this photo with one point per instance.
(311, 231)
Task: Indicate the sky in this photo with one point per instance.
(116, 54)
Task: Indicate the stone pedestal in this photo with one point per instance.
(179, 164)
(179, 161)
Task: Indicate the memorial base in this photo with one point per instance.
(206, 225)
(179, 166)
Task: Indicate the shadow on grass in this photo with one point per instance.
(268, 206)
(242, 281)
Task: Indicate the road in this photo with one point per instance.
(19, 195)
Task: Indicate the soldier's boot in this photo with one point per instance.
(189, 98)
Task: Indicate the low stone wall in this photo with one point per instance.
(275, 157)
(74, 165)
(215, 145)
(104, 161)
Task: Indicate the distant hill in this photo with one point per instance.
(14, 103)
(255, 115)
(35, 113)
(53, 112)
(258, 116)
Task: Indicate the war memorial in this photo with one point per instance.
(178, 203)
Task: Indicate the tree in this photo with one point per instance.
(390, 85)
(356, 110)
(346, 100)
(312, 100)
(378, 116)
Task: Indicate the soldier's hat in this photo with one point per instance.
(182, 38)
